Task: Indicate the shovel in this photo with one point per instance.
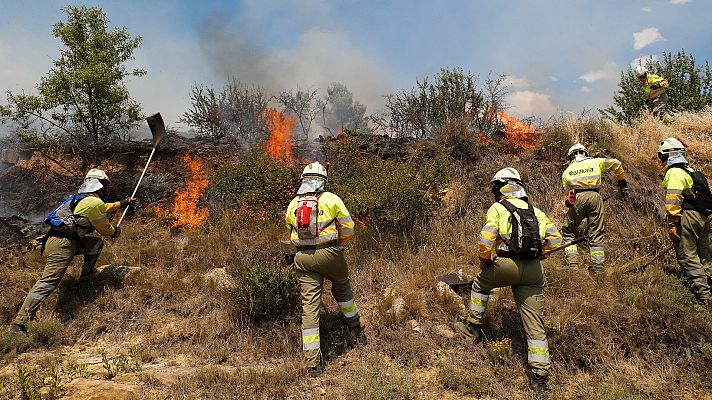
(158, 130)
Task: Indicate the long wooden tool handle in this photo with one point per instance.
(138, 184)
(565, 245)
(656, 258)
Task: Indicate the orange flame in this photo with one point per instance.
(185, 209)
(519, 133)
(279, 143)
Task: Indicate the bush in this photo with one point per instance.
(45, 331)
(14, 342)
(374, 381)
(257, 183)
(265, 294)
(392, 195)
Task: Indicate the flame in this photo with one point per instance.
(517, 132)
(185, 209)
(279, 142)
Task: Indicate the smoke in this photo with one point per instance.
(318, 58)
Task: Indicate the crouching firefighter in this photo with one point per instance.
(582, 181)
(688, 205)
(510, 248)
(71, 225)
(319, 225)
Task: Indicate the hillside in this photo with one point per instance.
(166, 318)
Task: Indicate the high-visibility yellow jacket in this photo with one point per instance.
(497, 231)
(91, 212)
(334, 221)
(675, 182)
(588, 173)
(653, 79)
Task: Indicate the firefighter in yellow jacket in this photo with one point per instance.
(655, 88)
(70, 234)
(319, 225)
(511, 257)
(582, 181)
(688, 226)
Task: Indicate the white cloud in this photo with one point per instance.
(553, 78)
(647, 9)
(646, 37)
(608, 71)
(516, 81)
(586, 89)
(644, 60)
(680, 1)
(530, 103)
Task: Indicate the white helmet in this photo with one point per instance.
(97, 173)
(506, 174)
(92, 181)
(578, 148)
(640, 71)
(670, 145)
(314, 170)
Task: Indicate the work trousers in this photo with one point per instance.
(312, 266)
(694, 254)
(60, 253)
(658, 106)
(589, 206)
(527, 281)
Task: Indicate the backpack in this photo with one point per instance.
(307, 216)
(701, 198)
(525, 241)
(62, 217)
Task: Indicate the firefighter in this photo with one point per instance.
(71, 225)
(508, 258)
(582, 181)
(655, 88)
(319, 225)
(688, 228)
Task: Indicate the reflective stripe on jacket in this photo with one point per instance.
(334, 221)
(676, 180)
(95, 210)
(498, 229)
(653, 79)
(588, 173)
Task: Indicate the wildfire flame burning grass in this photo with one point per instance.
(279, 143)
(518, 132)
(185, 209)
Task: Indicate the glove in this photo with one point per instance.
(655, 86)
(485, 263)
(117, 232)
(623, 188)
(673, 226)
(127, 201)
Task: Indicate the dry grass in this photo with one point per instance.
(630, 336)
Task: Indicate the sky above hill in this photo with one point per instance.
(561, 56)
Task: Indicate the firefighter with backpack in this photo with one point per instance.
(511, 244)
(688, 206)
(582, 181)
(71, 225)
(319, 225)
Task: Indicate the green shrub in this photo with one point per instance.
(14, 342)
(45, 331)
(264, 294)
(464, 381)
(392, 195)
(257, 183)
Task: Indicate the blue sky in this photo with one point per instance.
(562, 56)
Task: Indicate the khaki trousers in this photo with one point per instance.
(694, 254)
(527, 281)
(312, 266)
(589, 206)
(60, 253)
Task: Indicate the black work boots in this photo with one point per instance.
(539, 383)
(19, 329)
(470, 330)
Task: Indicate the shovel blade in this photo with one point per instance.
(158, 128)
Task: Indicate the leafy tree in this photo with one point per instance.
(306, 105)
(82, 101)
(690, 87)
(342, 111)
(233, 113)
